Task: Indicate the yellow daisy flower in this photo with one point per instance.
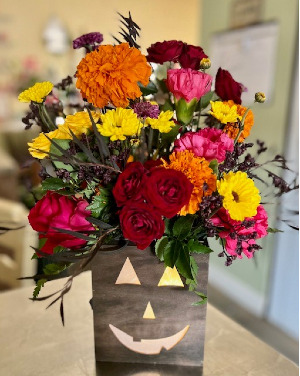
(80, 122)
(36, 93)
(241, 197)
(163, 123)
(119, 123)
(40, 146)
(224, 113)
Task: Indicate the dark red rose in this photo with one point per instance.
(141, 224)
(57, 211)
(227, 88)
(152, 163)
(129, 183)
(160, 52)
(191, 56)
(168, 190)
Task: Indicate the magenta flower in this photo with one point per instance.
(146, 109)
(188, 83)
(91, 40)
(241, 236)
(209, 143)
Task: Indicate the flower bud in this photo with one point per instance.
(205, 63)
(185, 111)
(260, 97)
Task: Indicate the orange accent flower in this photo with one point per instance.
(232, 129)
(197, 170)
(111, 73)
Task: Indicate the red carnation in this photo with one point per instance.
(129, 183)
(227, 88)
(57, 211)
(141, 224)
(161, 52)
(168, 191)
(191, 56)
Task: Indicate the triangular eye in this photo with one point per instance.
(170, 278)
(127, 275)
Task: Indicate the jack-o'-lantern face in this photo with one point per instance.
(148, 346)
(143, 312)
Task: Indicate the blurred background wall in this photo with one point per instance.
(266, 286)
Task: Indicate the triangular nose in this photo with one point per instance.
(149, 314)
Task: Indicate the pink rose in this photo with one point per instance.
(188, 83)
(57, 211)
(209, 143)
(241, 236)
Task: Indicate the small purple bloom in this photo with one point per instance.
(91, 40)
(146, 109)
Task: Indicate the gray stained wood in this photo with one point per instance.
(123, 306)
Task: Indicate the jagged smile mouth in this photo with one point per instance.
(148, 346)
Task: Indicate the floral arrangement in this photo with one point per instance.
(155, 162)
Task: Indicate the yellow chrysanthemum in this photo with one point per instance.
(80, 122)
(224, 112)
(241, 197)
(163, 123)
(119, 123)
(36, 93)
(197, 170)
(40, 146)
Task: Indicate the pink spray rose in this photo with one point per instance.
(57, 211)
(188, 83)
(241, 236)
(210, 143)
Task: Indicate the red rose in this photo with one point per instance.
(227, 88)
(129, 183)
(168, 191)
(152, 163)
(141, 224)
(191, 56)
(57, 211)
(161, 52)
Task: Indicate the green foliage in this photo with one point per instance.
(54, 184)
(273, 230)
(101, 206)
(168, 138)
(149, 89)
(52, 269)
(205, 100)
(64, 144)
(183, 263)
(172, 251)
(40, 283)
(214, 166)
(203, 298)
(196, 247)
(160, 246)
(182, 227)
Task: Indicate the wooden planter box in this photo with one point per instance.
(137, 321)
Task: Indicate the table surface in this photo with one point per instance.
(33, 341)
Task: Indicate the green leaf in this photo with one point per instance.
(203, 298)
(169, 223)
(196, 247)
(168, 138)
(149, 89)
(54, 184)
(160, 246)
(100, 203)
(194, 268)
(205, 100)
(52, 269)
(64, 144)
(273, 230)
(183, 226)
(40, 283)
(167, 106)
(171, 252)
(214, 166)
(183, 263)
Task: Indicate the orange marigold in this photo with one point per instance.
(197, 170)
(111, 73)
(232, 129)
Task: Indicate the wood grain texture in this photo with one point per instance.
(123, 306)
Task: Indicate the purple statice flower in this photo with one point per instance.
(90, 40)
(146, 109)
